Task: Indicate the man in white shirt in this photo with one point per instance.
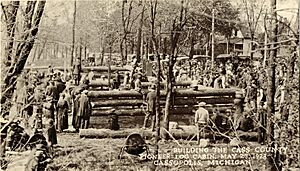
(201, 120)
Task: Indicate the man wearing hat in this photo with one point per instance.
(126, 79)
(138, 83)
(151, 105)
(76, 71)
(84, 111)
(201, 120)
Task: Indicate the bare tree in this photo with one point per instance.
(177, 28)
(125, 24)
(153, 6)
(73, 33)
(272, 157)
(254, 11)
(32, 17)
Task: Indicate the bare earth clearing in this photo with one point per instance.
(74, 153)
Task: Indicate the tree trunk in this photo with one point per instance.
(273, 163)
(139, 36)
(10, 14)
(191, 54)
(30, 28)
(73, 32)
(174, 37)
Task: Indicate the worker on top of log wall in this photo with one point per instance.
(201, 120)
(150, 102)
(138, 83)
(126, 83)
(91, 75)
(118, 79)
(134, 65)
(77, 71)
(50, 70)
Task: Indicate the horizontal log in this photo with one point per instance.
(97, 83)
(208, 100)
(140, 112)
(117, 102)
(177, 93)
(84, 69)
(205, 92)
(187, 132)
(177, 101)
(104, 68)
(115, 93)
(34, 68)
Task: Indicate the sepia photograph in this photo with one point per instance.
(149, 85)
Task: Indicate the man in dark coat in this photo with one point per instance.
(118, 79)
(151, 100)
(50, 133)
(62, 114)
(75, 97)
(60, 85)
(84, 111)
(76, 71)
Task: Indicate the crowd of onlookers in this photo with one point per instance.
(44, 101)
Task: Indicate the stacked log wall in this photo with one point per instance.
(128, 105)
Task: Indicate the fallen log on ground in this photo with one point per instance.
(187, 132)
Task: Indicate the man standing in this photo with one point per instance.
(138, 83)
(84, 111)
(76, 71)
(62, 113)
(52, 92)
(201, 120)
(118, 79)
(151, 101)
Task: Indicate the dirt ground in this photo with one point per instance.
(74, 154)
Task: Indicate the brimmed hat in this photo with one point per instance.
(85, 91)
(201, 104)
